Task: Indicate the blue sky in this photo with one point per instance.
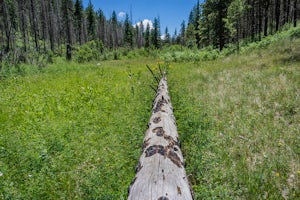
(171, 12)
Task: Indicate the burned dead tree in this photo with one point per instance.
(160, 174)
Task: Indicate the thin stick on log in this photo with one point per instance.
(161, 72)
(152, 88)
(155, 77)
(160, 174)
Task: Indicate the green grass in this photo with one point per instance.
(239, 122)
(75, 131)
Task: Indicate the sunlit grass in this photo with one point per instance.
(74, 131)
(239, 121)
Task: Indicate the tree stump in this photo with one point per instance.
(160, 173)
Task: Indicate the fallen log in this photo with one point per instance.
(160, 173)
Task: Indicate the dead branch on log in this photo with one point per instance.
(155, 77)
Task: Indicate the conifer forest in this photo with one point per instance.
(31, 27)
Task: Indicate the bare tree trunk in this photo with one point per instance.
(6, 28)
(68, 32)
(266, 21)
(259, 20)
(1, 20)
(160, 172)
(34, 24)
(1, 32)
(295, 13)
(288, 10)
(58, 24)
(51, 25)
(277, 15)
(23, 25)
(44, 23)
(253, 19)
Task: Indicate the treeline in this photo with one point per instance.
(61, 27)
(222, 22)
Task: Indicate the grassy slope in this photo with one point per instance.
(239, 120)
(75, 131)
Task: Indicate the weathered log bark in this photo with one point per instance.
(160, 174)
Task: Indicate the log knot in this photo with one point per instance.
(156, 120)
(167, 152)
(159, 131)
(160, 103)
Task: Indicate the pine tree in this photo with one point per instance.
(167, 36)
(221, 29)
(208, 25)
(196, 24)
(78, 20)
(114, 31)
(91, 21)
(128, 32)
(101, 26)
(174, 37)
(182, 34)
(212, 26)
(194, 21)
(155, 36)
(190, 36)
(234, 13)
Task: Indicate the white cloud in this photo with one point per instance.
(163, 36)
(121, 14)
(145, 23)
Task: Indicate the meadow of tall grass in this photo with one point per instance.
(75, 131)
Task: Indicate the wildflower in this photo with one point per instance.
(280, 144)
(1, 174)
(277, 174)
(265, 155)
(299, 172)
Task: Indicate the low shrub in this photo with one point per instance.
(89, 51)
